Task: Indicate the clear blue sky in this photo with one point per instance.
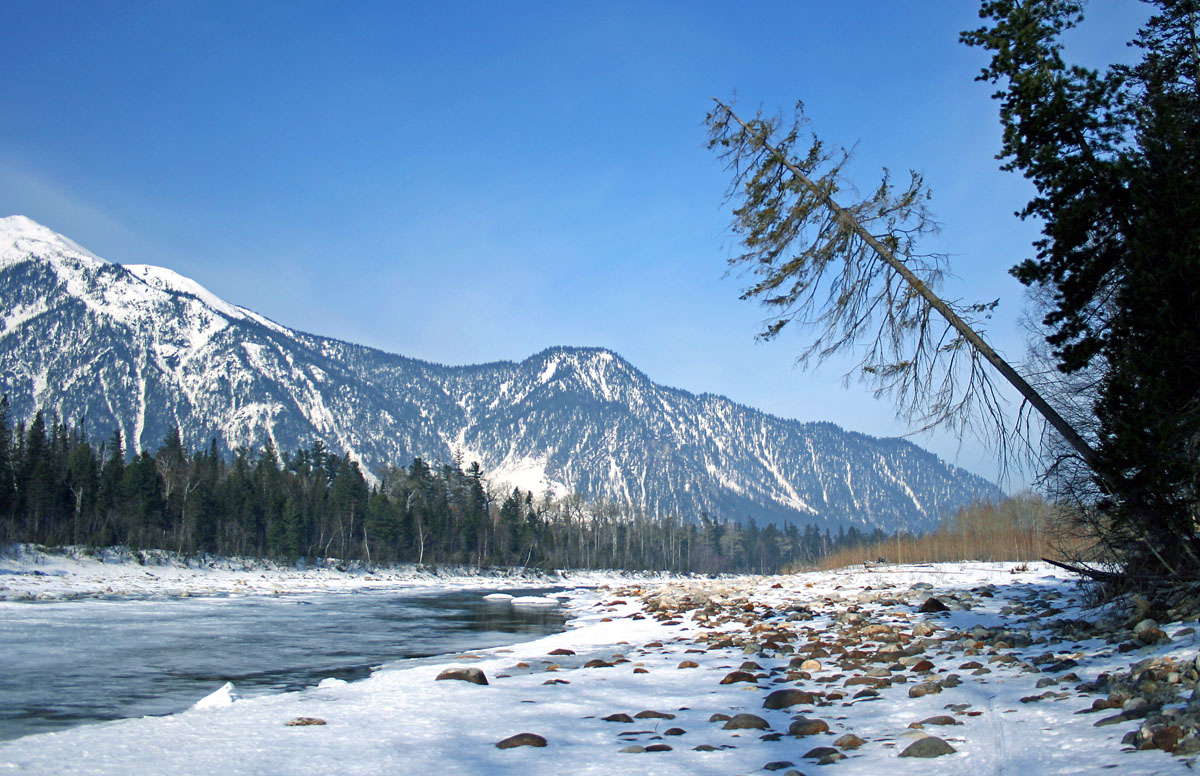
(468, 182)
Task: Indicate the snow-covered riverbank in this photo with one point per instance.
(689, 674)
(32, 574)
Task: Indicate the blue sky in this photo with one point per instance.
(469, 182)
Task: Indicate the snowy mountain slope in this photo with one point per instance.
(142, 348)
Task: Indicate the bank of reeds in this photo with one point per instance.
(1024, 527)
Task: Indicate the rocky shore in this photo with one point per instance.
(810, 657)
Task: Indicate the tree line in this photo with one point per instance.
(59, 488)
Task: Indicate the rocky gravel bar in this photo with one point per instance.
(942, 669)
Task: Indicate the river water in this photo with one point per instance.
(68, 663)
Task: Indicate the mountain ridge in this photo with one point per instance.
(142, 348)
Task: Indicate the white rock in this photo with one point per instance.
(225, 696)
(331, 681)
(533, 600)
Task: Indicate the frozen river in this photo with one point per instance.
(67, 663)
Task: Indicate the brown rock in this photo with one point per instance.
(931, 606)
(618, 717)
(1153, 635)
(521, 739)
(849, 741)
(1115, 719)
(305, 721)
(782, 699)
(871, 680)
(468, 674)
(807, 727)
(941, 719)
(1166, 739)
(733, 677)
(648, 714)
(689, 664)
(924, 629)
(562, 652)
(745, 722)
(924, 688)
(930, 746)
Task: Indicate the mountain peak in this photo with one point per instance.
(22, 238)
(575, 350)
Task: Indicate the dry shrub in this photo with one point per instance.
(1021, 528)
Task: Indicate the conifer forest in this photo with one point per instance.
(57, 487)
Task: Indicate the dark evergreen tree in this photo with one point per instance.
(83, 482)
(8, 485)
(348, 502)
(1115, 159)
(142, 492)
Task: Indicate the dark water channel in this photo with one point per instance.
(68, 663)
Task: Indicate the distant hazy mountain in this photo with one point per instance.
(143, 349)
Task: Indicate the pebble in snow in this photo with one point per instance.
(305, 721)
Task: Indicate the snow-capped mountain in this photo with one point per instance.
(143, 349)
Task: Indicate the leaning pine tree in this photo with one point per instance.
(1112, 158)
